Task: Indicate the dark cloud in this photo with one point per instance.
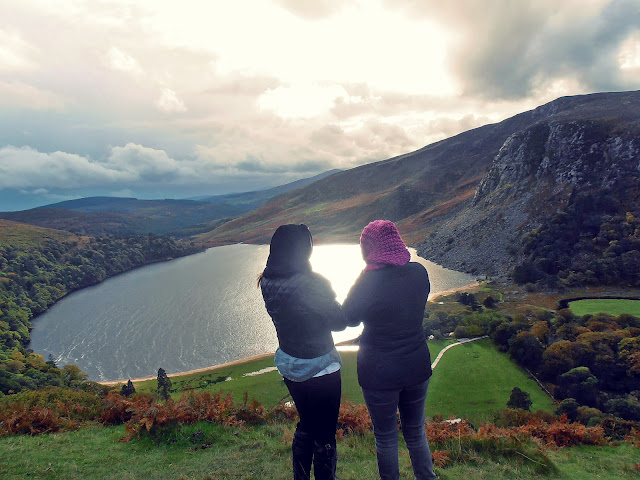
(508, 49)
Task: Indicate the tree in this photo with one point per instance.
(579, 383)
(460, 332)
(128, 389)
(519, 399)
(489, 302)
(164, 383)
(627, 407)
(526, 349)
(568, 407)
(560, 357)
(74, 374)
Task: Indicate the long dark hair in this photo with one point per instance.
(289, 252)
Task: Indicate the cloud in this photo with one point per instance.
(23, 95)
(143, 163)
(29, 169)
(511, 49)
(317, 9)
(16, 54)
(169, 102)
(119, 60)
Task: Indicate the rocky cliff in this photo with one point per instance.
(538, 172)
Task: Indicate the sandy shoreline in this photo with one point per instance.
(470, 286)
(265, 355)
(189, 372)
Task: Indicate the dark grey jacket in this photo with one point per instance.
(304, 310)
(390, 303)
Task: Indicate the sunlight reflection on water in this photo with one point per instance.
(341, 265)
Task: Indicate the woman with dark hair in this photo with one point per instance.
(394, 365)
(304, 310)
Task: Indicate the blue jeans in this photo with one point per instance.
(383, 406)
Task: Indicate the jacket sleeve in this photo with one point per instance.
(322, 299)
(354, 306)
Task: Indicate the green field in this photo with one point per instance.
(472, 381)
(610, 306)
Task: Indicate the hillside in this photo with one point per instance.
(467, 201)
(182, 218)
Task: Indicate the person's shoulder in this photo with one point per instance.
(416, 266)
(313, 279)
(417, 269)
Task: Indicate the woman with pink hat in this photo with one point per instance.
(394, 365)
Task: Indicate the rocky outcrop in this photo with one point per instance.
(534, 174)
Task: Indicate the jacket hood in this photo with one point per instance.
(289, 251)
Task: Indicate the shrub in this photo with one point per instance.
(519, 399)
(568, 407)
(48, 410)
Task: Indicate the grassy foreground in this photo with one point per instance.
(211, 452)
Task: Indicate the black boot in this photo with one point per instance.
(302, 450)
(325, 458)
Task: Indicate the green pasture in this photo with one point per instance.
(610, 306)
(472, 381)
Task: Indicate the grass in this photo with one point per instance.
(211, 452)
(473, 380)
(613, 307)
(268, 388)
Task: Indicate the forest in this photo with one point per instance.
(35, 274)
(593, 240)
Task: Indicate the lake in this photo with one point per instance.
(188, 313)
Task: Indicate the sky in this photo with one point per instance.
(175, 99)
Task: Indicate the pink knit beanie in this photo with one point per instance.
(382, 245)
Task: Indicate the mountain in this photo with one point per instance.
(100, 215)
(255, 198)
(469, 201)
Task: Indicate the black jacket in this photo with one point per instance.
(304, 310)
(390, 303)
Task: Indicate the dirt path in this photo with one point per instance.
(459, 342)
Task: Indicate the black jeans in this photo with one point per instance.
(318, 403)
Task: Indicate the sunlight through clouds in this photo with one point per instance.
(302, 100)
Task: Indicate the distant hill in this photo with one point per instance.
(468, 201)
(19, 235)
(100, 215)
(254, 199)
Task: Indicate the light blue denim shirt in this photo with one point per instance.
(301, 369)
